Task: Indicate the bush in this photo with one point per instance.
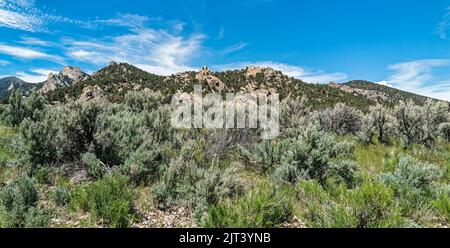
(43, 174)
(444, 129)
(342, 119)
(263, 207)
(110, 199)
(346, 172)
(372, 205)
(93, 165)
(141, 166)
(195, 185)
(415, 185)
(19, 202)
(377, 123)
(61, 196)
(412, 177)
(442, 204)
(307, 154)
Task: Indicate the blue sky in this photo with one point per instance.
(404, 44)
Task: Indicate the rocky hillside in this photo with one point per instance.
(115, 80)
(118, 78)
(379, 92)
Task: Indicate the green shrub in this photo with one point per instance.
(412, 177)
(110, 199)
(141, 166)
(442, 204)
(19, 203)
(43, 174)
(371, 205)
(346, 172)
(264, 206)
(93, 165)
(301, 155)
(195, 185)
(61, 196)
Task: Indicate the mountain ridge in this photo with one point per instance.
(116, 79)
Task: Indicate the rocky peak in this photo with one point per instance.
(68, 76)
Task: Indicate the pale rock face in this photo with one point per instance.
(371, 94)
(255, 70)
(91, 93)
(11, 87)
(68, 76)
(206, 75)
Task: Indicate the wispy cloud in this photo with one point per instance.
(305, 74)
(221, 33)
(444, 25)
(234, 48)
(27, 40)
(15, 19)
(156, 50)
(4, 62)
(27, 53)
(26, 16)
(421, 77)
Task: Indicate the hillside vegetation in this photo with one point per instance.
(103, 153)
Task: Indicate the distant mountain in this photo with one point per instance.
(8, 84)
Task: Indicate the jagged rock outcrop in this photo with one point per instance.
(67, 77)
(205, 75)
(91, 93)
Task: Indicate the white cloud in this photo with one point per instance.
(420, 77)
(27, 53)
(234, 48)
(4, 62)
(307, 75)
(156, 50)
(21, 21)
(385, 83)
(26, 16)
(21, 15)
(35, 41)
(443, 25)
(35, 75)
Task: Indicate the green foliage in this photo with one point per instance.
(264, 206)
(93, 165)
(195, 184)
(61, 196)
(444, 129)
(303, 154)
(110, 199)
(345, 172)
(19, 203)
(442, 204)
(20, 108)
(413, 177)
(372, 205)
